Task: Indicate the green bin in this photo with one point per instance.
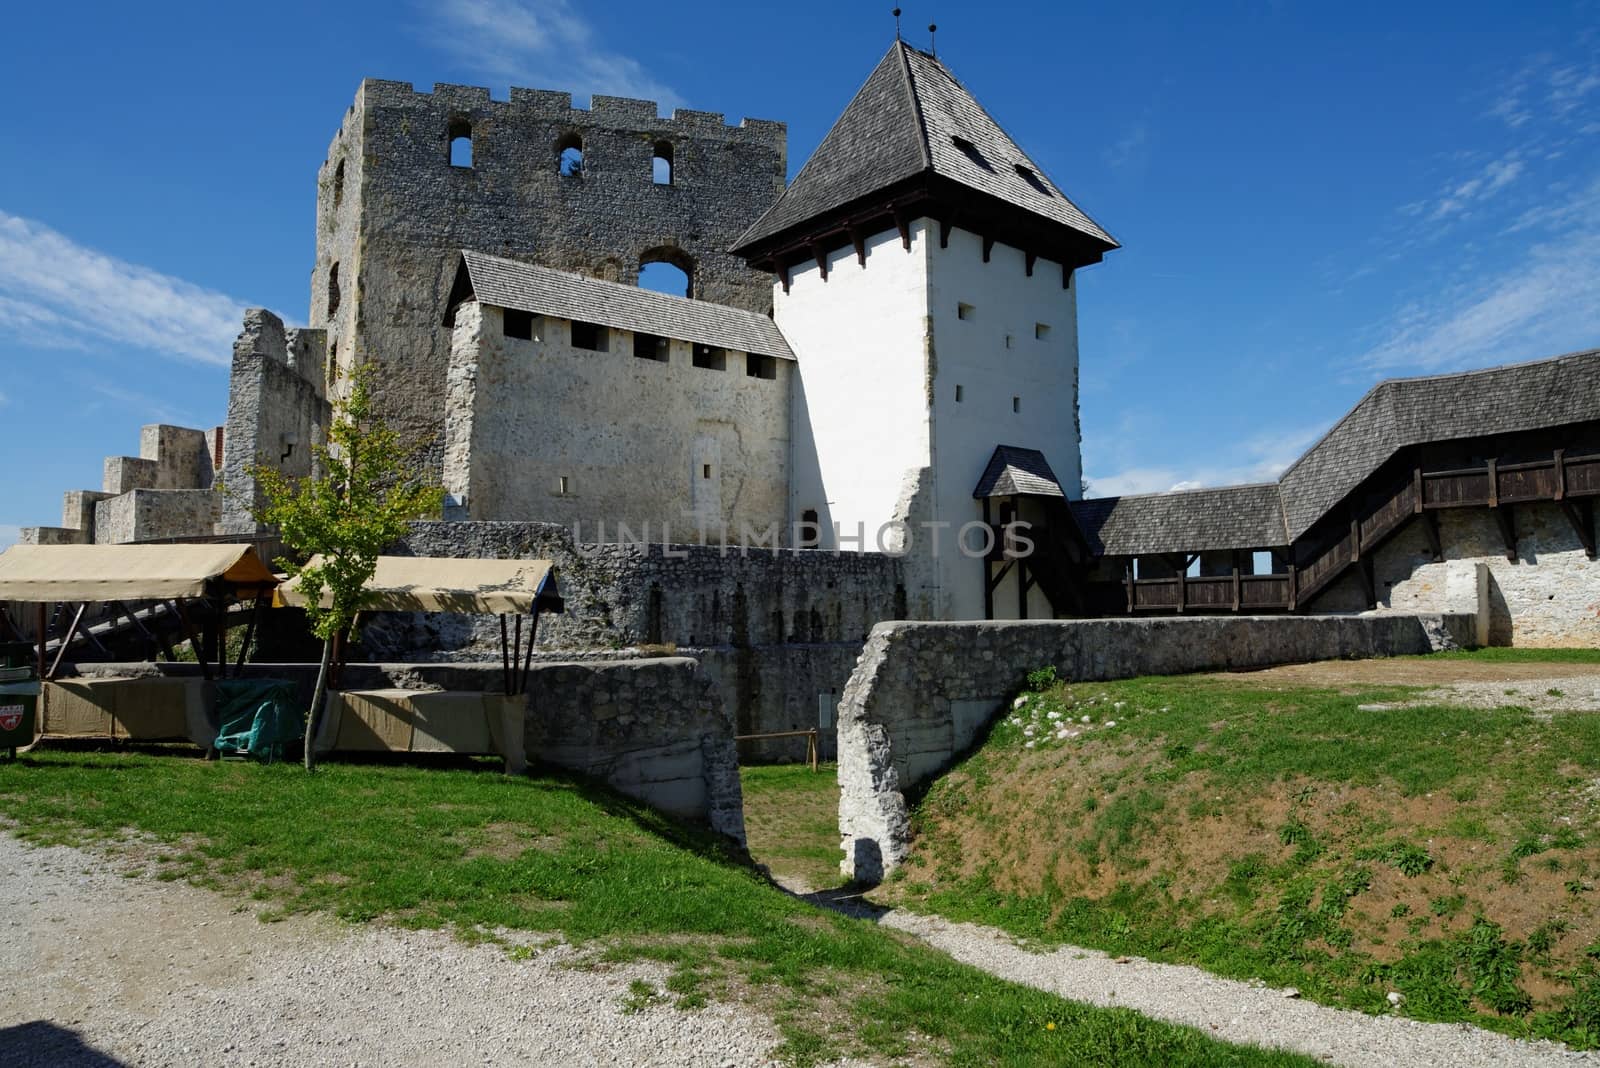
(19, 703)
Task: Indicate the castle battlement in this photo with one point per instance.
(476, 103)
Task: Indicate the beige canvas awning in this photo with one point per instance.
(448, 584)
(128, 572)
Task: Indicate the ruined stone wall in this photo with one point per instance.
(153, 515)
(403, 212)
(277, 409)
(656, 730)
(774, 628)
(922, 692)
(540, 429)
(1548, 596)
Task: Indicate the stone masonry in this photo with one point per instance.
(393, 213)
(923, 692)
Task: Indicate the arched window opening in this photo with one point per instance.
(333, 291)
(569, 154)
(338, 183)
(667, 270)
(460, 143)
(661, 166)
(664, 278)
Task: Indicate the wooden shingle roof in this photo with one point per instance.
(542, 291)
(1228, 517)
(1013, 471)
(1394, 415)
(912, 124)
(1402, 412)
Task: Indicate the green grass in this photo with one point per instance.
(791, 817)
(475, 851)
(1290, 835)
(1498, 654)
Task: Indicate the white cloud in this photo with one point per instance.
(1261, 459)
(1543, 302)
(1132, 147)
(57, 293)
(538, 44)
(1492, 179)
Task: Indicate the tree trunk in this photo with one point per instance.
(318, 696)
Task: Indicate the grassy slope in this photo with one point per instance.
(478, 851)
(1290, 835)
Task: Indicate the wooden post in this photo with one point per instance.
(40, 635)
(988, 565)
(505, 657)
(1494, 486)
(1294, 590)
(1416, 489)
(1561, 474)
(811, 749)
(1237, 588)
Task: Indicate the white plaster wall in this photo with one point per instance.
(972, 353)
(860, 437)
(633, 437)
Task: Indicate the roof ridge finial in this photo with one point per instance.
(933, 47)
(897, 24)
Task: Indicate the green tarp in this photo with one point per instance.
(258, 716)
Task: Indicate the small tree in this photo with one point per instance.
(367, 491)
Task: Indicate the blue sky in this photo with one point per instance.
(1310, 197)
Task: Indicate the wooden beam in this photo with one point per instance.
(1294, 589)
(194, 639)
(783, 276)
(1580, 514)
(945, 225)
(1128, 578)
(821, 256)
(1494, 486)
(1022, 590)
(1416, 488)
(988, 247)
(1561, 476)
(1508, 527)
(1369, 585)
(1237, 589)
(1066, 277)
(857, 239)
(902, 223)
(72, 632)
(1430, 529)
(1028, 259)
(988, 565)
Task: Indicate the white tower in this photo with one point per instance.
(925, 283)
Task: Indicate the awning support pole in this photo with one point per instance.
(41, 635)
(516, 644)
(505, 656)
(527, 663)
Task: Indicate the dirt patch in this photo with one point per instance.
(1407, 672)
(508, 841)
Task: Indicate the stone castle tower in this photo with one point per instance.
(413, 178)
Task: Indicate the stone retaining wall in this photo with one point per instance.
(922, 692)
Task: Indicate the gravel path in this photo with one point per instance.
(100, 969)
(1231, 1010)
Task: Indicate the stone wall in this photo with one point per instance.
(1548, 596)
(155, 514)
(393, 213)
(277, 409)
(656, 730)
(922, 692)
(540, 429)
(776, 628)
